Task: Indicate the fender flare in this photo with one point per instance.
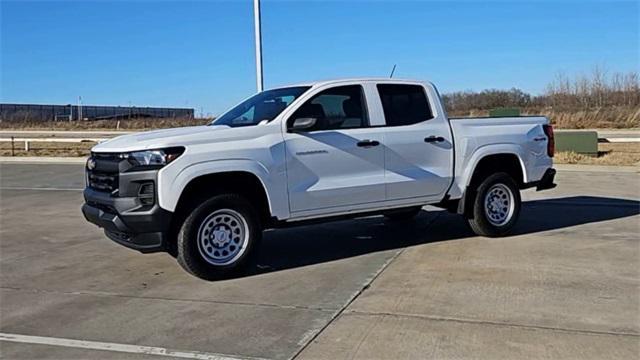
(171, 187)
(471, 166)
(488, 150)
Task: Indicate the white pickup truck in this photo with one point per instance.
(315, 151)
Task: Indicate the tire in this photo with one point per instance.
(219, 237)
(496, 206)
(403, 214)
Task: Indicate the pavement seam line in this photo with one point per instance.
(349, 302)
(222, 302)
(491, 323)
(117, 347)
(358, 293)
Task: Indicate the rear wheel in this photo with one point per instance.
(496, 206)
(403, 214)
(219, 237)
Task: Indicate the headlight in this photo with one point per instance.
(153, 158)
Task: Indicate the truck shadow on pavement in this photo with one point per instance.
(314, 244)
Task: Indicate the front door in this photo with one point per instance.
(339, 161)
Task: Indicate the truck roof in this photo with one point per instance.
(363, 79)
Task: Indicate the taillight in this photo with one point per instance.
(551, 143)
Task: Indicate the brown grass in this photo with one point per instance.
(624, 154)
(47, 149)
(133, 124)
(613, 117)
(602, 118)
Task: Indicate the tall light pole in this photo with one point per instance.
(258, 32)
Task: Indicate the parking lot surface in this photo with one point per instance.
(565, 285)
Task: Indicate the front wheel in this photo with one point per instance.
(496, 206)
(219, 237)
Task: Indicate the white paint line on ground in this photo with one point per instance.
(621, 140)
(39, 188)
(115, 347)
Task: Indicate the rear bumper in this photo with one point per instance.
(125, 222)
(547, 180)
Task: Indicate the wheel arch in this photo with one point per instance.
(509, 162)
(172, 185)
(240, 182)
(499, 156)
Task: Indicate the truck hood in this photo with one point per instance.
(173, 137)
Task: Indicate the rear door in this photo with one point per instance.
(339, 163)
(418, 143)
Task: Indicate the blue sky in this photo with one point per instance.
(201, 54)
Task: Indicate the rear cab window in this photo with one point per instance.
(404, 104)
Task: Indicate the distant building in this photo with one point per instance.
(17, 112)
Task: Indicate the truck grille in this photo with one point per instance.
(104, 177)
(102, 181)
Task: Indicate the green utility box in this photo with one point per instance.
(581, 142)
(504, 112)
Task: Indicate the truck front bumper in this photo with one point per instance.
(124, 222)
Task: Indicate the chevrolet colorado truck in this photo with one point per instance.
(311, 152)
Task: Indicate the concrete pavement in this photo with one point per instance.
(565, 285)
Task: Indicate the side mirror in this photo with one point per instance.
(302, 124)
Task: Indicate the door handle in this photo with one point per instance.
(368, 143)
(432, 139)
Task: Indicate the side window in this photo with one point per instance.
(404, 104)
(341, 107)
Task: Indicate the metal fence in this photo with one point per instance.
(21, 112)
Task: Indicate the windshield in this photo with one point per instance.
(260, 107)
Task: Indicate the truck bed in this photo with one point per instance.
(477, 136)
